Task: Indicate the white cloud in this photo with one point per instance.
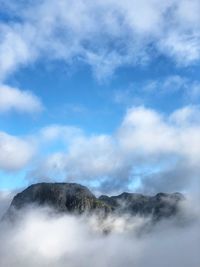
(55, 132)
(15, 152)
(147, 144)
(122, 35)
(18, 100)
(15, 47)
(5, 200)
(161, 151)
(41, 238)
(145, 131)
(185, 90)
(187, 115)
(184, 48)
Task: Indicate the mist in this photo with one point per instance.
(40, 237)
(5, 199)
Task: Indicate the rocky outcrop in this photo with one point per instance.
(63, 197)
(158, 206)
(75, 198)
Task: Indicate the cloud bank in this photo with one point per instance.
(41, 238)
(149, 151)
(161, 152)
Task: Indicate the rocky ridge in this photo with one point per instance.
(78, 199)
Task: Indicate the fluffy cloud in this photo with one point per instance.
(149, 150)
(15, 152)
(41, 238)
(123, 34)
(145, 130)
(147, 145)
(17, 100)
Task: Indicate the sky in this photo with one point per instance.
(103, 93)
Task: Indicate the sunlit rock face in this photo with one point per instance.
(75, 198)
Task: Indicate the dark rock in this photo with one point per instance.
(64, 197)
(158, 206)
(75, 198)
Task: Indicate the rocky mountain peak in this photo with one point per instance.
(75, 198)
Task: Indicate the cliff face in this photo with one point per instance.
(75, 198)
(63, 197)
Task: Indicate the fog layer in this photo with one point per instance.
(42, 238)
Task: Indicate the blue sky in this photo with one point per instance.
(106, 94)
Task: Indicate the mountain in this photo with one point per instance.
(75, 198)
(63, 197)
(158, 206)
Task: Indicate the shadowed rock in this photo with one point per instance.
(159, 206)
(63, 197)
(75, 198)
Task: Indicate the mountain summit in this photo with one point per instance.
(63, 197)
(75, 198)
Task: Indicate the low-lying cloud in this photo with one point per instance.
(43, 238)
(5, 200)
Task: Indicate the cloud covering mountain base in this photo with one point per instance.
(42, 238)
